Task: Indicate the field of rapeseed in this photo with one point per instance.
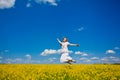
(59, 72)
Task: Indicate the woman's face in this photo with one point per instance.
(64, 39)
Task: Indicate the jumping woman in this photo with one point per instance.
(65, 58)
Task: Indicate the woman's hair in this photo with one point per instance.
(66, 39)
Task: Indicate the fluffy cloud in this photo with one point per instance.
(110, 59)
(10, 3)
(88, 60)
(6, 4)
(81, 29)
(84, 54)
(81, 53)
(52, 59)
(110, 52)
(48, 51)
(6, 51)
(116, 48)
(9, 61)
(28, 56)
(83, 59)
(116, 59)
(104, 59)
(28, 4)
(16, 60)
(52, 51)
(94, 58)
(78, 52)
(1, 58)
(51, 2)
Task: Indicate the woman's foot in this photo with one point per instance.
(69, 61)
(74, 61)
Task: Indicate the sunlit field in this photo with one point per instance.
(59, 72)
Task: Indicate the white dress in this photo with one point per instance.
(64, 51)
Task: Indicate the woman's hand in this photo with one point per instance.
(77, 44)
(57, 38)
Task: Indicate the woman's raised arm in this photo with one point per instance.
(59, 41)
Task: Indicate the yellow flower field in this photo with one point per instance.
(59, 72)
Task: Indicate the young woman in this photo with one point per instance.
(65, 52)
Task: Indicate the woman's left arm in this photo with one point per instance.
(73, 44)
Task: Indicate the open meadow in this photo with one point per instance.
(59, 72)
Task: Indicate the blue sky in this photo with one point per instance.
(29, 28)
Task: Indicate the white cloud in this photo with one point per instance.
(116, 59)
(84, 54)
(0, 61)
(83, 58)
(9, 61)
(48, 51)
(78, 52)
(51, 2)
(81, 29)
(81, 53)
(88, 60)
(116, 48)
(28, 4)
(28, 56)
(1, 58)
(110, 59)
(6, 4)
(110, 52)
(35, 61)
(52, 51)
(52, 59)
(6, 51)
(104, 59)
(94, 58)
(16, 60)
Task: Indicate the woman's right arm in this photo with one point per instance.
(59, 41)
